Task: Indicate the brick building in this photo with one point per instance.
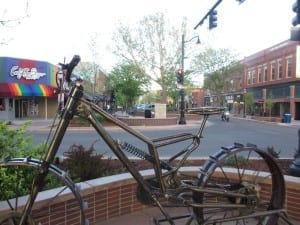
(273, 75)
(196, 98)
(234, 95)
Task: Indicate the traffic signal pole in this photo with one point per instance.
(208, 13)
(180, 78)
(182, 108)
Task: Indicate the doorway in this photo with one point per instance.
(21, 108)
(297, 110)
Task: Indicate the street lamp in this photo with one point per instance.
(181, 92)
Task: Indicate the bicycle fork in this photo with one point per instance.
(39, 181)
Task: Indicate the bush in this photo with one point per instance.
(83, 164)
(14, 143)
(239, 161)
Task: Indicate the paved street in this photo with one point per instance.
(283, 137)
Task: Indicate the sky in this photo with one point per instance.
(58, 29)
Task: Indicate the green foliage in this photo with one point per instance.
(211, 60)
(86, 70)
(153, 45)
(83, 164)
(217, 65)
(235, 161)
(23, 177)
(15, 142)
(100, 118)
(249, 100)
(269, 104)
(128, 84)
(273, 152)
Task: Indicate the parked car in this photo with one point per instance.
(150, 106)
(140, 110)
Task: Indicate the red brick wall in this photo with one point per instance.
(108, 198)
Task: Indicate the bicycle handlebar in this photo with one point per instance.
(70, 66)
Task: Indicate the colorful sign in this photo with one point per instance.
(23, 77)
(15, 89)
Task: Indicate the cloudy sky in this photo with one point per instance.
(61, 28)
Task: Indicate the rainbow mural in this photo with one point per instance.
(23, 77)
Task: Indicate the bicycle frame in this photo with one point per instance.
(77, 101)
(80, 104)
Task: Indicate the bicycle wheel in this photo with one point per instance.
(16, 176)
(254, 180)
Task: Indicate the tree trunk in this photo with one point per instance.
(164, 95)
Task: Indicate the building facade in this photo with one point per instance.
(28, 89)
(272, 76)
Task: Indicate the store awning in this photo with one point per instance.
(15, 89)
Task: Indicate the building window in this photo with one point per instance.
(249, 77)
(2, 105)
(289, 67)
(259, 75)
(265, 73)
(280, 69)
(253, 75)
(273, 71)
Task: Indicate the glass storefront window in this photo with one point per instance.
(2, 104)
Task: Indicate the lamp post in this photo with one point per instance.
(181, 92)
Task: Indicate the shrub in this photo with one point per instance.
(84, 164)
(239, 161)
(15, 143)
(271, 151)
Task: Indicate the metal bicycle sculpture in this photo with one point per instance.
(224, 190)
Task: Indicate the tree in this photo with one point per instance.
(8, 21)
(216, 65)
(128, 84)
(153, 47)
(269, 104)
(87, 70)
(248, 101)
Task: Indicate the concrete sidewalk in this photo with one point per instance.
(146, 217)
(47, 124)
(41, 124)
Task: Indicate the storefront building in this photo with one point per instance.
(273, 75)
(27, 89)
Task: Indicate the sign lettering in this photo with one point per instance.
(26, 73)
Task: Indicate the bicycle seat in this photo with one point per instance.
(207, 110)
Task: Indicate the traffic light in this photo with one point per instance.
(180, 76)
(296, 9)
(213, 19)
(240, 1)
(295, 30)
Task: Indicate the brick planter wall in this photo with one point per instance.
(114, 196)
